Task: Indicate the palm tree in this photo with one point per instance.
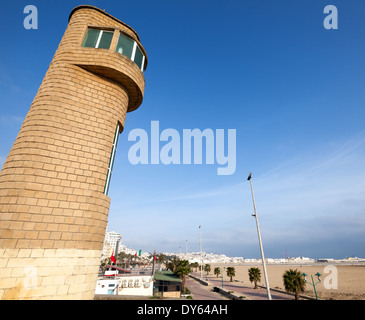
(207, 268)
(254, 275)
(172, 264)
(217, 271)
(161, 258)
(195, 265)
(183, 269)
(294, 282)
(231, 272)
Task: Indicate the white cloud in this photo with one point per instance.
(318, 195)
(317, 183)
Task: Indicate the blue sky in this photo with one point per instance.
(293, 91)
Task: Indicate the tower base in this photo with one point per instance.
(48, 273)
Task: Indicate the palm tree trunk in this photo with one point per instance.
(297, 295)
(183, 283)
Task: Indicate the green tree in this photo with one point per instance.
(196, 266)
(254, 275)
(161, 258)
(183, 269)
(103, 265)
(172, 264)
(217, 271)
(231, 272)
(207, 268)
(294, 282)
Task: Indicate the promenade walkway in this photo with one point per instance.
(242, 289)
(202, 292)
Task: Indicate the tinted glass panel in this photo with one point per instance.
(125, 46)
(111, 161)
(105, 40)
(91, 38)
(138, 57)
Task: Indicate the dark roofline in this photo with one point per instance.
(166, 276)
(103, 12)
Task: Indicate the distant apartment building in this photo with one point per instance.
(112, 243)
(126, 250)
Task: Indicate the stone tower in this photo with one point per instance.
(54, 183)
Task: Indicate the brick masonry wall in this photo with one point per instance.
(52, 206)
(48, 273)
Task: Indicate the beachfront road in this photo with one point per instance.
(202, 292)
(240, 288)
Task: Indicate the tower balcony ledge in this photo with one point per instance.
(110, 64)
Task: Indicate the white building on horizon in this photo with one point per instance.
(112, 242)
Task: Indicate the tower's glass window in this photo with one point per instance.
(98, 39)
(125, 46)
(139, 58)
(91, 38)
(111, 161)
(105, 39)
(129, 48)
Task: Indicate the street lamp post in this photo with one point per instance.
(313, 284)
(260, 242)
(201, 257)
(222, 275)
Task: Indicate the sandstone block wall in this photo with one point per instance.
(53, 212)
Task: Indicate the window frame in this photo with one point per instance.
(111, 160)
(100, 36)
(133, 55)
(123, 47)
(101, 31)
(115, 48)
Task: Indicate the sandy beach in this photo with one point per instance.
(350, 278)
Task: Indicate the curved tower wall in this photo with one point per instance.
(53, 206)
